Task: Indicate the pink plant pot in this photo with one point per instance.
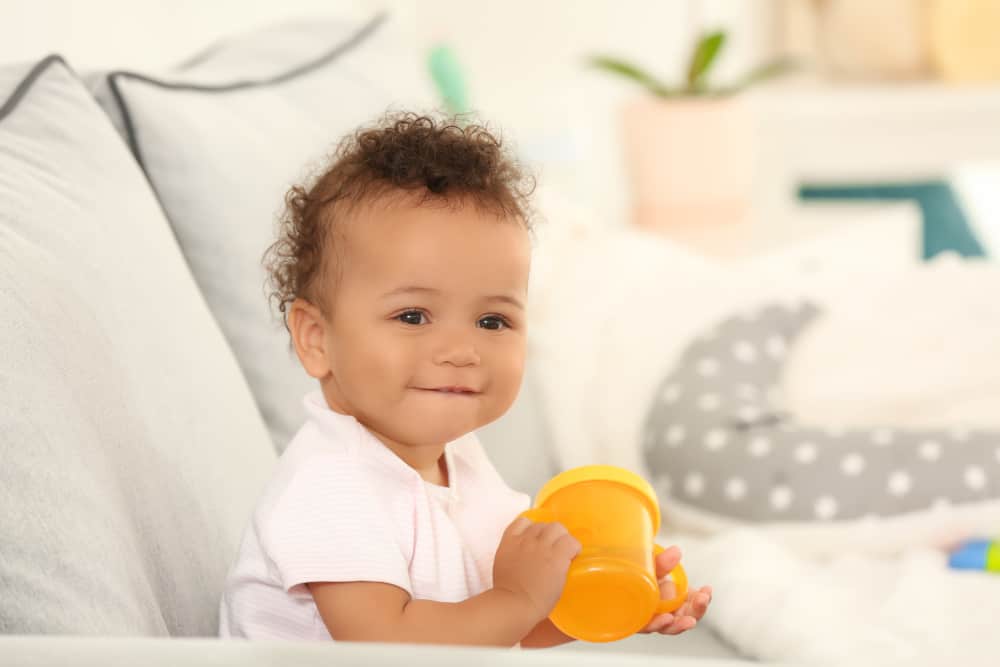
(690, 164)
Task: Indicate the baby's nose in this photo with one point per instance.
(457, 352)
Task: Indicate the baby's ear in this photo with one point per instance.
(308, 328)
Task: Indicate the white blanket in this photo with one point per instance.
(854, 609)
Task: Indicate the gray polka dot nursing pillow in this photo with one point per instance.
(717, 438)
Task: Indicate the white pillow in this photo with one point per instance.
(918, 350)
(615, 309)
(618, 307)
(132, 450)
(611, 311)
(223, 140)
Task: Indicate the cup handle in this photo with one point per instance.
(680, 582)
(539, 514)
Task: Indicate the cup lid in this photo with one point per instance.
(603, 473)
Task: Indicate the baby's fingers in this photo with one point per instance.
(680, 624)
(699, 602)
(696, 604)
(659, 622)
(666, 561)
(668, 590)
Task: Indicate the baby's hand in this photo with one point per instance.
(532, 561)
(690, 612)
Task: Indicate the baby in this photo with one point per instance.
(402, 274)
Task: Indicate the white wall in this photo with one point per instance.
(523, 58)
(137, 33)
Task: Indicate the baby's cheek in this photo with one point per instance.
(507, 387)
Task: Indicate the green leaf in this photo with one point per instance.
(704, 55)
(632, 72)
(761, 73)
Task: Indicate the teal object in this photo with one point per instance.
(945, 226)
(449, 79)
(976, 555)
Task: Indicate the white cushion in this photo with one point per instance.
(222, 141)
(132, 450)
(612, 311)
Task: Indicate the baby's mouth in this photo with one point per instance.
(456, 390)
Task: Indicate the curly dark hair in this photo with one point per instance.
(438, 160)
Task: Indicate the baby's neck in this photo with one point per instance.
(438, 474)
(428, 460)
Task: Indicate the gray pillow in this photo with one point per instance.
(223, 138)
(717, 438)
(132, 450)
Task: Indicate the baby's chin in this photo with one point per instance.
(440, 434)
(425, 429)
(439, 421)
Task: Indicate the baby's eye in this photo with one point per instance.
(412, 317)
(492, 322)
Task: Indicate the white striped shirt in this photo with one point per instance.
(343, 507)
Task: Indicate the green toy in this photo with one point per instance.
(449, 79)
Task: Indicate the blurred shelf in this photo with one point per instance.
(807, 236)
(830, 98)
(830, 132)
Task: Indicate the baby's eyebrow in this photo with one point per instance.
(416, 289)
(508, 300)
(411, 289)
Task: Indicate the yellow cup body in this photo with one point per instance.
(611, 588)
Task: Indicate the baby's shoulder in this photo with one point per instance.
(339, 470)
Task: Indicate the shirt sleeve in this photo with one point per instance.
(330, 525)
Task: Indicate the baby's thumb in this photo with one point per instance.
(517, 526)
(666, 561)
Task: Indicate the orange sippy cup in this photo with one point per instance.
(611, 588)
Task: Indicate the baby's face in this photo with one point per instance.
(427, 321)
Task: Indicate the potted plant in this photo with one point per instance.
(689, 147)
